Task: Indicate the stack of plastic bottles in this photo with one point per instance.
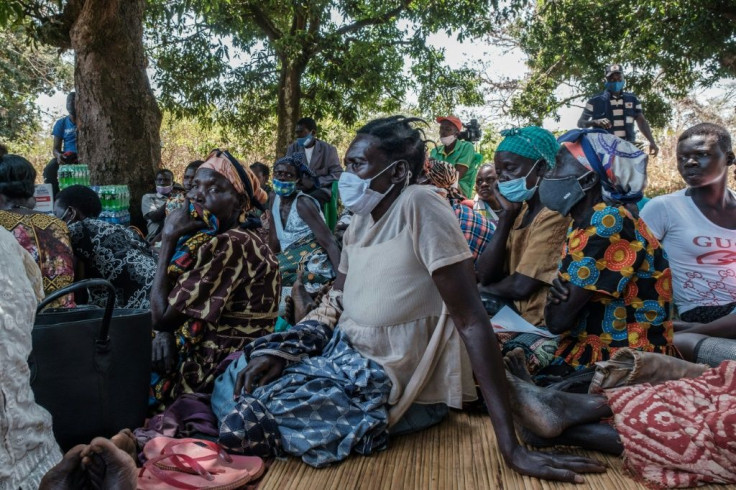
(115, 203)
(77, 174)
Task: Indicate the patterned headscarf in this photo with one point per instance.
(530, 142)
(444, 176)
(242, 178)
(441, 174)
(620, 165)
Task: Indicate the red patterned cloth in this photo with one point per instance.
(681, 433)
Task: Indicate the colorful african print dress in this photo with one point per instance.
(230, 293)
(46, 238)
(617, 258)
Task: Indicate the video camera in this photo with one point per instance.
(472, 131)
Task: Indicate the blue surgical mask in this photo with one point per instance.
(515, 190)
(305, 140)
(283, 188)
(615, 87)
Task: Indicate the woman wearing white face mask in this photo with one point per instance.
(410, 327)
(457, 152)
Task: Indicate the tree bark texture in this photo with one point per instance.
(289, 111)
(118, 120)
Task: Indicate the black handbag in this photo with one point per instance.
(91, 368)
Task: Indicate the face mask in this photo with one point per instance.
(283, 188)
(63, 216)
(356, 193)
(561, 194)
(305, 140)
(448, 140)
(516, 190)
(615, 87)
(164, 190)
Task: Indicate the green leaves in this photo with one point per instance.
(667, 47)
(223, 60)
(27, 72)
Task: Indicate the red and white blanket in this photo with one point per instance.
(681, 433)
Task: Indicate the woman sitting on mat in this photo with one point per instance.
(217, 284)
(397, 358)
(298, 232)
(613, 288)
(105, 250)
(521, 259)
(45, 237)
(697, 225)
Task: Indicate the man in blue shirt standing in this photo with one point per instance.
(65, 143)
(616, 111)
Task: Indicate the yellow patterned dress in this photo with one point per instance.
(617, 258)
(231, 296)
(46, 238)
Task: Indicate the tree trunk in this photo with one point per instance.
(118, 120)
(290, 95)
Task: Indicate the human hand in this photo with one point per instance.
(266, 220)
(180, 223)
(508, 208)
(601, 123)
(559, 292)
(260, 371)
(164, 352)
(554, 465)
(653, 149)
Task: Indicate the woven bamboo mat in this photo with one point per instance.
(460, 453)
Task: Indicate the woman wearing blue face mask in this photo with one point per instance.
(298, 232)
(520, 261)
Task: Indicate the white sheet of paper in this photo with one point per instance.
(507, 320)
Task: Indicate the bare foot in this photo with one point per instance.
(68, 474)
(515, 362)
(537, 409)
(125, 440)
(532, 439)
(108, 466)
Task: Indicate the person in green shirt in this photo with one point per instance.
(457, 152)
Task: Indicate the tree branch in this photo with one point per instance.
(261, 19)
(379, 19)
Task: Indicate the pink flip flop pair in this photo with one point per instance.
(192, 464)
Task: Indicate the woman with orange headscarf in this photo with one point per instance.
(217, 285)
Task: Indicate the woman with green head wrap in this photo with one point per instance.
(520, 262)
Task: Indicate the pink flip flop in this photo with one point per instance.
(199, 460)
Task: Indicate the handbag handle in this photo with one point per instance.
(85, 284)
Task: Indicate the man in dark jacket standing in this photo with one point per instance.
(616, 111)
